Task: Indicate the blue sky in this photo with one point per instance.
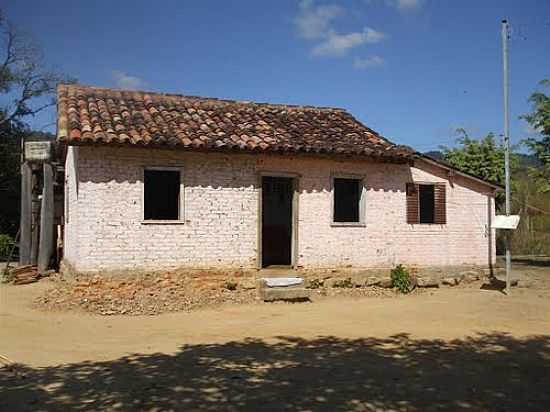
(414, 70)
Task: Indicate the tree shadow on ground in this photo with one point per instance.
(493, 372)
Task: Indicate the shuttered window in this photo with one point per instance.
(426, 203)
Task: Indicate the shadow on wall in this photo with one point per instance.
(230, 171)
(487, 372)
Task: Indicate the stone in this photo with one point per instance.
(359, 280)
(248, 284)
(385, 282)
(470, 276)
(450, 281)
(427, 282)
(330, 282)
(273, 294)
(372, 281)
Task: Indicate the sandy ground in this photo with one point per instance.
(450, 349)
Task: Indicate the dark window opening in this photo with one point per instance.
(347, 195)
(426, 197)
(162, 193)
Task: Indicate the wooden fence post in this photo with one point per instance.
(25, 235)
(46, 220)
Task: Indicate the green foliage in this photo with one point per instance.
(401, 279)
(230, 285)
(483, 158)
(315, 284)
(10, 178)
(6, 245)
(539, 120)
(344, 283)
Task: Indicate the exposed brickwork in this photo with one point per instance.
(105, 229)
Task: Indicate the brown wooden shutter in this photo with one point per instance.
(440, 200)
(413, 212)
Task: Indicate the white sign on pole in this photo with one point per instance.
(39, 151)
(506, 222)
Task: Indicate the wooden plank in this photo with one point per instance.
(413, 212)
(440, 200)
(25, 238)
(46, 248)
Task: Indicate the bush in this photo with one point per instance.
(230, 285)
(6, 244)
(344, 283)
(401, 279)
(315, 284)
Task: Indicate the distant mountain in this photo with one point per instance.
(435, 154)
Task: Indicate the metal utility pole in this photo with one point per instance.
(505, 36)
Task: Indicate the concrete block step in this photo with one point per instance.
(285, 293)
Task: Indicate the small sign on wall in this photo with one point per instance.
(506, 222)
(38, 151)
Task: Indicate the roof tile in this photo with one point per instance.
(110, 116)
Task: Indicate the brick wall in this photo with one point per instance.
(220, 207)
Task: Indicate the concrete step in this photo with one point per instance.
(284, 293)
(277, 272)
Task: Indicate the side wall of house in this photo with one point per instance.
(71, 208)
(221, 203)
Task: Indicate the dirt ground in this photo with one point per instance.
(455, 349)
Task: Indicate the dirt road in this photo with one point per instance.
(453, 349)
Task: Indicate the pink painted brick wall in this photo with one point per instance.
(220, 208)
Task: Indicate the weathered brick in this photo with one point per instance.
(220, 230)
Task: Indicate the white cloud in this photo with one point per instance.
(125, 81)
(404, 5)
(368, 62)
(313, 22)
(340, 44)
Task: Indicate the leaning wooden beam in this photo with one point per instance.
(26, 215)
(45, 248)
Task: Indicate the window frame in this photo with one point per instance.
(181, 209)
(362, 199)
(437, 207)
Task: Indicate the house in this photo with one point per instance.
(162, 181)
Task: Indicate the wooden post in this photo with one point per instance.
(35, 225)
(46, 221)
(26, 215)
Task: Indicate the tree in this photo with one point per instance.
(10, 177)
(539, 120)
(483, 157)
(26, 85)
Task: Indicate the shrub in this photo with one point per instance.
(230, 285)
(344, 283)
(401, 279)
(315, 284)
(6, 244)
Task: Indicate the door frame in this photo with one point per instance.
(295, 180)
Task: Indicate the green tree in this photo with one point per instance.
(10, 138)
(26, 86)
(483, 157)
(539, 120)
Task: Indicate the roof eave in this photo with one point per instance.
(448, 167)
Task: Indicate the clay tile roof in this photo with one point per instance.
(88, 115)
